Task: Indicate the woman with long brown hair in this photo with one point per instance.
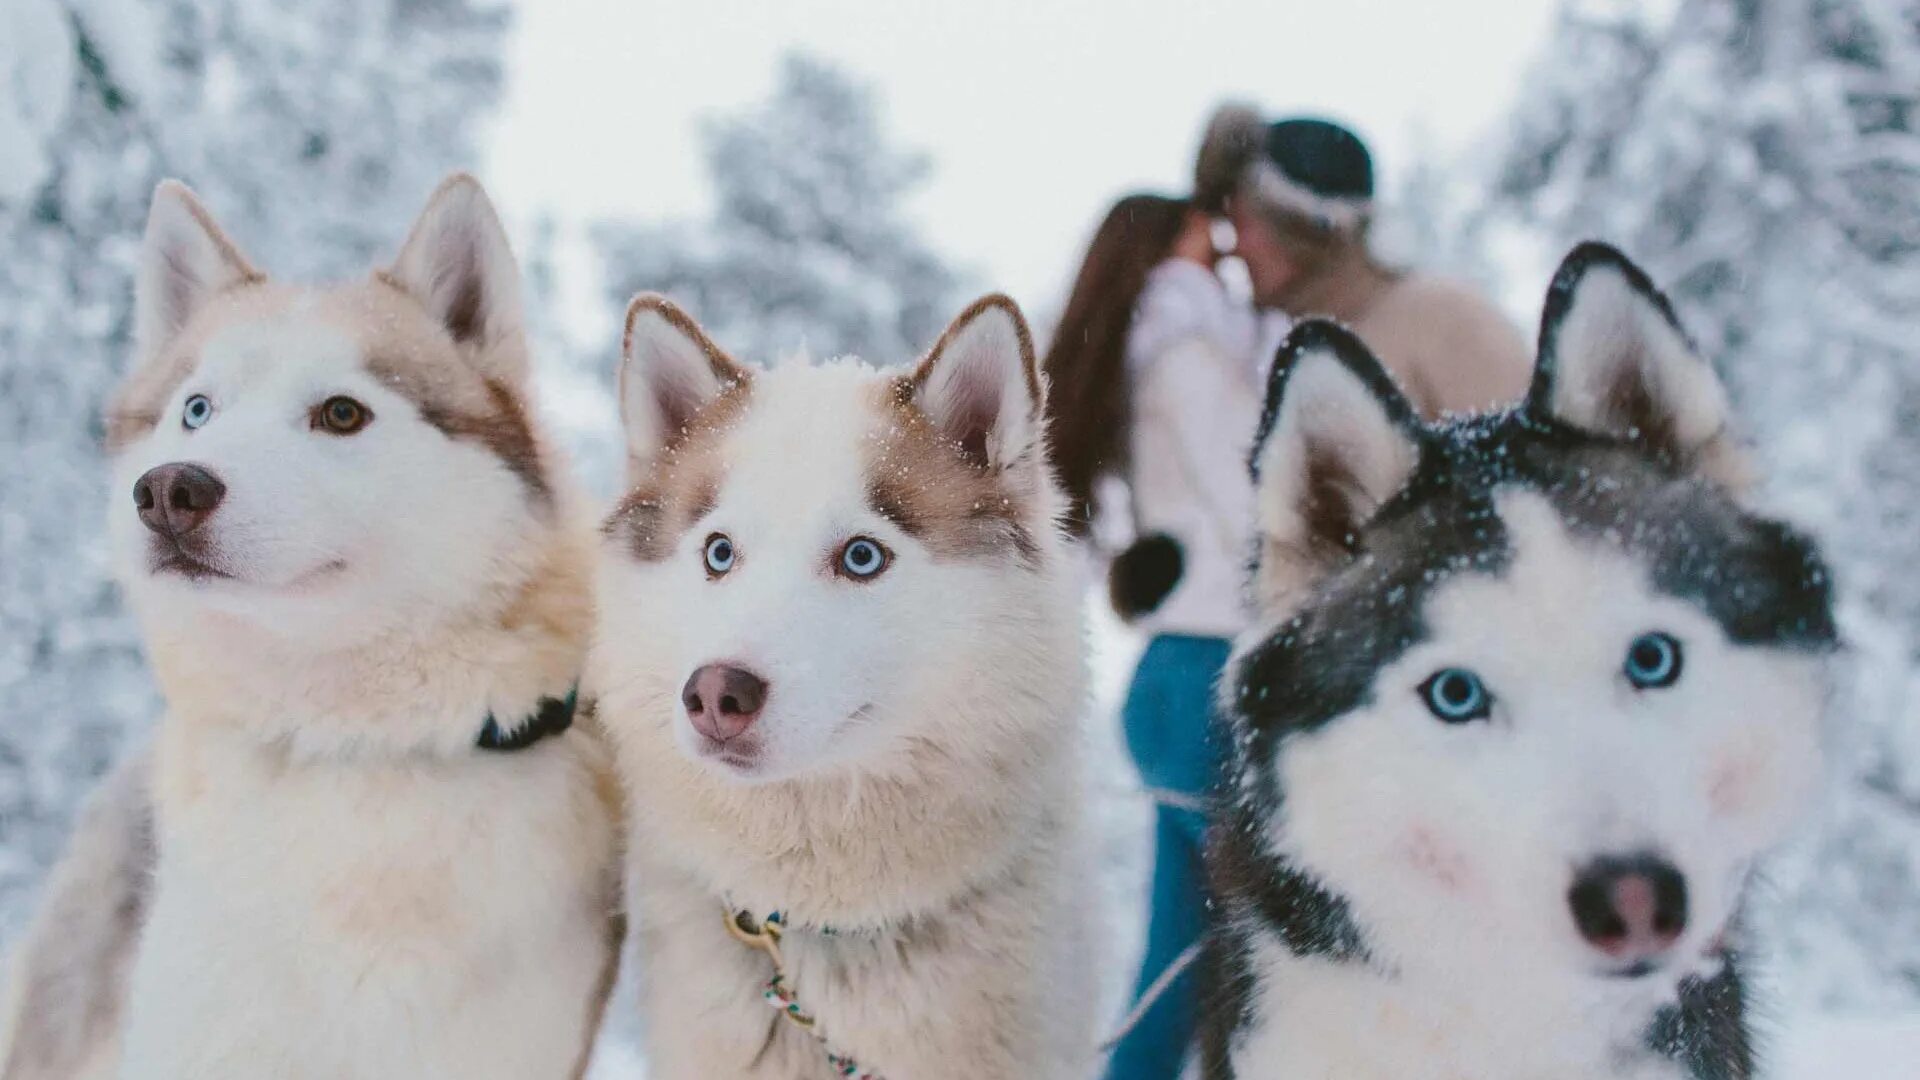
(1087, 385)
(1155, 377)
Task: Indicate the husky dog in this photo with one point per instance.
(1530, 695)
(365, 593)
(839, 658)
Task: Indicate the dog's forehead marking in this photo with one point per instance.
(769, 454)
(288, 349)
(1760, 579)
(1532, 592)
(1554, 590)
(834, 442)
(794, 455)
(827, 444)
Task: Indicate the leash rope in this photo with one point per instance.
(764, 935)
(1150, 995)
(1178, 800)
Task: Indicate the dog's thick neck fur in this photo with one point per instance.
(417, 690)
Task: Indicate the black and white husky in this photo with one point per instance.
(1530, 694)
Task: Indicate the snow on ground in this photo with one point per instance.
(1832, 1047)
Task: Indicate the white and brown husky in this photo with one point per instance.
(381, 852)
(1531, 694)
(839, 656)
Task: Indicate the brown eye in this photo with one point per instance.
(341, 416)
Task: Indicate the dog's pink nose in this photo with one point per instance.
(1631, 908)
(176, 499)
(723, 701)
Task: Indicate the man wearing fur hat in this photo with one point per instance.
(1300, 195)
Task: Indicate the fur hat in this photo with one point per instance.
(1300, 167)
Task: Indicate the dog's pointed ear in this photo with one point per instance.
(185, 260)
(669, 371)
(980, 385)
(457, 262)
(1337, 439)
(1615, 361)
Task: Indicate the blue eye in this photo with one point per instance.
(1456, 696)
(1653, 661)
(199, 410)
(719, 554)
(862, 558)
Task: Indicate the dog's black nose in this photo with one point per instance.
(1632, 907)
(723, 700)
(177, 498)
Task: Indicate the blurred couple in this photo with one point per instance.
(1158, 369)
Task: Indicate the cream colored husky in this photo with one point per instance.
(382, 852)
(839, 656)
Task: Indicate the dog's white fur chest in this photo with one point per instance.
(937, 998)
(1317, 1019)
(362, 920)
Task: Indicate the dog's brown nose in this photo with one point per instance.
(723, 701)
(1631, 908)
(177, 498)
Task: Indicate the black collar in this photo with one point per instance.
(553, 717)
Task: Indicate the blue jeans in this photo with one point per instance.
(1169, 723)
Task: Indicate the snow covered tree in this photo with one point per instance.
(808, 245)
(1431, 218)
(1762, 158)
(313, 129)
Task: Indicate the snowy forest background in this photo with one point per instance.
(1761, 157)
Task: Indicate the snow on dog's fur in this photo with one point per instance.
(1531, 694)
(348, 548)
(839, 657)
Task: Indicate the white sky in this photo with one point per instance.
(1037, 113)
